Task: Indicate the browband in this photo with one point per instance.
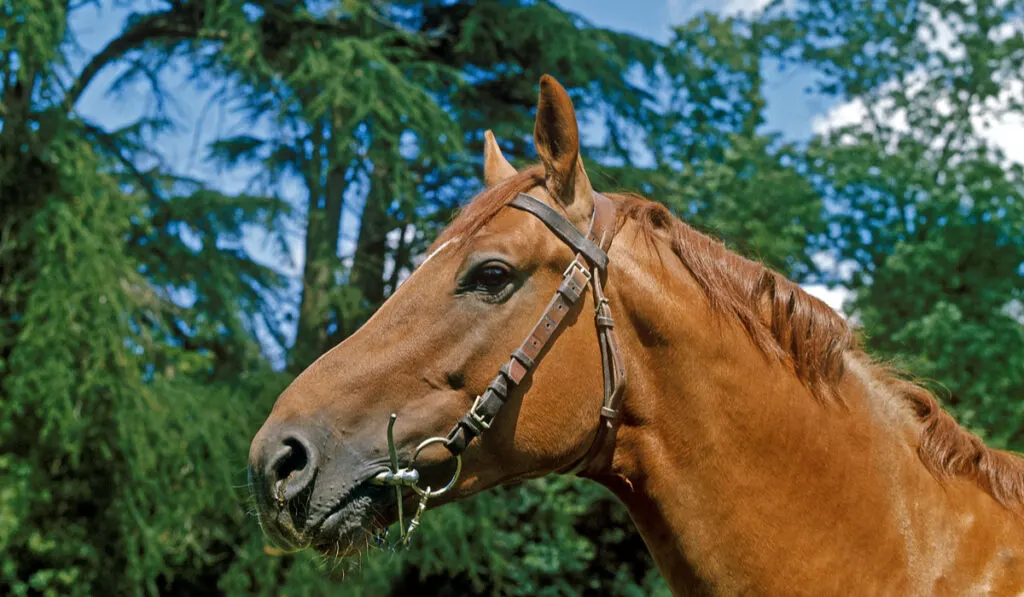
(564, 229)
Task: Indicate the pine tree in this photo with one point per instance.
(128, 362)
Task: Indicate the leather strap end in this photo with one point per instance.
(457, 440)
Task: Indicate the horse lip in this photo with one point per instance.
(327, 534)
(326, 523)
(274, 530)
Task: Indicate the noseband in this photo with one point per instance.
(589, 266)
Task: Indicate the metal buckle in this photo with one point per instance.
(575, 264)
(479, 420)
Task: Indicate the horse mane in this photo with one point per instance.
(789, 325)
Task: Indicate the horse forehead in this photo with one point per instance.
(517, 230)
(401, 291)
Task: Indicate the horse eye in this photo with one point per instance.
(491, 277)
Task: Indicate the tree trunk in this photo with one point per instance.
(372, 246)
(326, 199)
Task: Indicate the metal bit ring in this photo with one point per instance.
(428, 493)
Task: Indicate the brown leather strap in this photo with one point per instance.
(587, 267)
(486, 406)
(614, 371)
(612, 365)
(565, 230)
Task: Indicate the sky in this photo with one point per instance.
(790, 110)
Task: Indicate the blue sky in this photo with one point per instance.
(790, 110)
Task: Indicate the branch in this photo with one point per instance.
(178, 23)
(107, 141)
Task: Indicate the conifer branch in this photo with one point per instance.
(177, 24)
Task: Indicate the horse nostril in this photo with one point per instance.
(292, 468)
(293, 459)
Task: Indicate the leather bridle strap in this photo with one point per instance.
(588, 246)
(589, 266)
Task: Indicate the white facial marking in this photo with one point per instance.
(362, 327)
(438, 250)
(429, 257)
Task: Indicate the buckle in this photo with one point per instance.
(479, 420)
(575, 264)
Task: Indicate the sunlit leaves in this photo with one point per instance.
(926, 212)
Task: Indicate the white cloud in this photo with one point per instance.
(833, 297)
(740, 6)
(994, 121)
(940, 35)
(943, 34)
(842, 115)
(1002, 126)
(680, 11)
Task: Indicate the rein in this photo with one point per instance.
(588, 267)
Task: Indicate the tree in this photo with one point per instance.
(926, 212)
(124, 299)
(716, 166)
(130, 371)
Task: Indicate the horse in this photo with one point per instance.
(757, 447)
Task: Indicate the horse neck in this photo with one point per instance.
(737, 477)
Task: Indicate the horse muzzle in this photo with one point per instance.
(312, 491)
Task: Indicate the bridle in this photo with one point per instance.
(589, 266)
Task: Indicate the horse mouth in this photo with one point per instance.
(355, 521)
(335, 526)
(350, 524)
(342, 524)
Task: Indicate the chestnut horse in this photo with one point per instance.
(757, 449)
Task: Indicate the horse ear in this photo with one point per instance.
(557, 138)
(496, 167)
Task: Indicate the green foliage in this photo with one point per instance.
(108, 463)
(926, 214)
(115, 454)
(133, 323)
(714, 166)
